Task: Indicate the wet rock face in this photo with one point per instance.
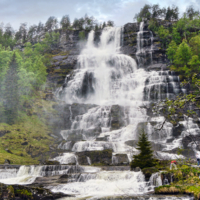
(188, 141)
(67, 113)
(117, 117)
(151, 43)
(87, 85)
(157, 67)
(161, 85)
(95, 157)
(130, 39)
(177, 130)
(148, 172)
(120, 159)
(18, 192)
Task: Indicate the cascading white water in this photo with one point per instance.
(106, 184)
(25, 175)
(106, 77)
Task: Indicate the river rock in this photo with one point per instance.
(95, 157)
(137, 169)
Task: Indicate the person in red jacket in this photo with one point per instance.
(173, 164)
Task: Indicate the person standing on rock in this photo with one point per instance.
(173, 164)
(198, 157)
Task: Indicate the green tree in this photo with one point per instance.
(194, 64)
(104, 25)
(195, 45)
(163, 34)
(51, 24)
(145, 157)
(11, 93)
(153, 25)
(183, 55)
(191, 12)
(176, 36)
(171, 51)
(81, 35)
(172, 13)
(144, 14)
(65, 22)
(110, 23)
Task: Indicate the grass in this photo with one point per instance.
(186, 181)
(29, 139)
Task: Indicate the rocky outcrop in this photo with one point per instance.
(19, 192)
(158, 67)
(153, 53)
(117, 117)
(95, 157)
(66, 113)
(120, 159)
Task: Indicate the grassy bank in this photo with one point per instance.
(185, 181)
(27, 141)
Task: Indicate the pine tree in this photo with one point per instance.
(145, 157)
(11, 94)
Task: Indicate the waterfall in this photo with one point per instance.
(114, 93)
(155, 179)
(106, 184)
(25, 175)
(106, 77)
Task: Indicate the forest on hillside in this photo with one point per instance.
(180, 39)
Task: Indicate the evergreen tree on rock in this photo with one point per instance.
(145, 157)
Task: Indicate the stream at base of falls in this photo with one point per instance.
(86, 182)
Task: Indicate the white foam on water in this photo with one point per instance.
(25, 175)
(66, 158)
(107, 184)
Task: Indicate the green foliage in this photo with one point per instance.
(195, 45)
(183, 55)
(7, 36)
(176, 36)
(11, 93)
(186, 181)
(153, 25)
(81, 35)
(145, 158)
(24, 192)
(21, 75)
(144, 14)
(65, 22)
(154, 12)
(164, 35)
(172, 13)
(171, 51)
(191, 12)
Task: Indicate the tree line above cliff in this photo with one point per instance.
(9, 37)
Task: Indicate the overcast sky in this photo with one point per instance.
(120, 11)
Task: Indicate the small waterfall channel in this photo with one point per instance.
(114, 93)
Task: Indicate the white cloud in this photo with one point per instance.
(120, 11)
